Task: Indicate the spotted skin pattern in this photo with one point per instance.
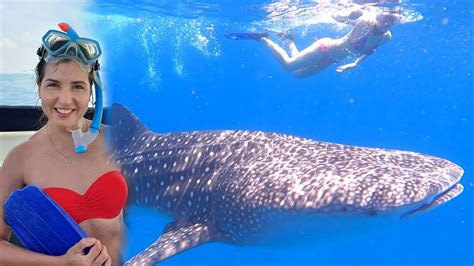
(230, 185)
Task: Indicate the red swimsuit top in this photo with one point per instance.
(105, 198)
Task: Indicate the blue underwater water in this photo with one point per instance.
(169, 62)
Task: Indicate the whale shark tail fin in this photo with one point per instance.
(125, 127)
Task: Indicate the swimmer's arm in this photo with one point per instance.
(351, 65)
(386, 37)
(351, 17)
(14, 255)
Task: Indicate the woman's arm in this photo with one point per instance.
(351, 65)
(387, 36)
(348, 16)
(11, 178)
(98, 255)
(14, 255)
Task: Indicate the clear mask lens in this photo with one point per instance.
(89, 49)
(55, 41)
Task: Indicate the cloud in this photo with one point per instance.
(23, 23)
(7, 43)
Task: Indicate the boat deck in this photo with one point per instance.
(8, 140)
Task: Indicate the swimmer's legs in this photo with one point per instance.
(310, 56)
(314, 69)
(305, 72)
(292, 46)
(289, 41)
(279, 53)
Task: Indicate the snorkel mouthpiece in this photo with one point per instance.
(81, 139)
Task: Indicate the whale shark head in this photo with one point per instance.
(439, 197)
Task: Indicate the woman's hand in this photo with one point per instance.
(352, 65)
(345, 67)
(97, 255)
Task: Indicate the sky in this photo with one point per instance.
(24, 22)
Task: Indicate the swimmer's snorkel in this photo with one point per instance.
(81, 139)
(59, 45)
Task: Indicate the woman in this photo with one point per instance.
(370, 31)
(86, 185)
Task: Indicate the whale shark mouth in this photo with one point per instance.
(445, 196)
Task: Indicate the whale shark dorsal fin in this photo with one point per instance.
(125, 127)
(176, 238)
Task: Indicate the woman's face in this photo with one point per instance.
(64, 92)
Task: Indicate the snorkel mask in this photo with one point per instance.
(59, 45)
(389, 18)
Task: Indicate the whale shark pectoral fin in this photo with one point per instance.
(177, 237)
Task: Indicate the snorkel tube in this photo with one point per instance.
(81, 139)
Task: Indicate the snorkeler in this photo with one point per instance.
(68, 158)
(371, 30)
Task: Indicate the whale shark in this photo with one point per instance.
(246, 187)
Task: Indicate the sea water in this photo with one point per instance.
(169, 62)
(18, 89)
